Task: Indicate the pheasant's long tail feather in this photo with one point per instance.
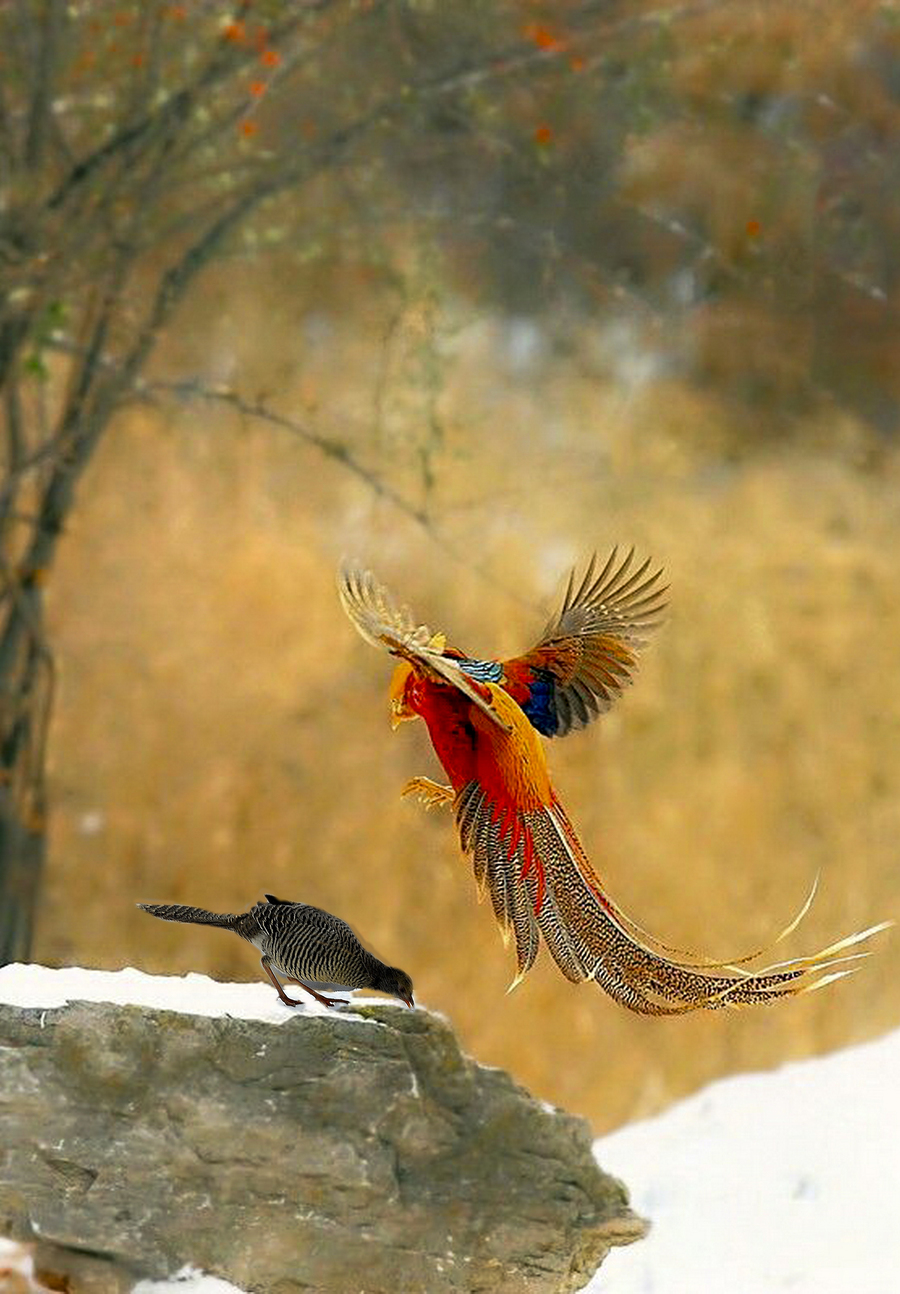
(540, 881)
(655, 983)
(498, 864)
(244, 924)
(692, 957)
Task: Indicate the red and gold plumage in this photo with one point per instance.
(485, 719)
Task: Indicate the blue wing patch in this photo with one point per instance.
(541, 704)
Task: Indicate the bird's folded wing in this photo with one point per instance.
(384, 623)
(588, 652)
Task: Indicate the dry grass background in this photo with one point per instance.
(220, 729)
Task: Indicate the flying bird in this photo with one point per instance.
(486, 719)
(307, 946)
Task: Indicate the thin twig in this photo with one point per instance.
(332, 448)
(337, 451)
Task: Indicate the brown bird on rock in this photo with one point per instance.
(305, 945)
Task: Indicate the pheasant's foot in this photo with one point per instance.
(326, 1001)
(428, 792)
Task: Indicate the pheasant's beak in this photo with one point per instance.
(409, 1002)
(399, 707)
(400, 712)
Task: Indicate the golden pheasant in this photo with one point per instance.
(484, 718)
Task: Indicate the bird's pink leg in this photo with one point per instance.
(290, 1001)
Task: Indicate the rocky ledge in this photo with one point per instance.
(357, 1151)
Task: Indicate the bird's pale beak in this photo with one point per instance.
(398, 713)
(409, 1002)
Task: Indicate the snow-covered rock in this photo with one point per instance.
(152, 1122)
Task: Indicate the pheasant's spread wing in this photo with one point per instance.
(384, 623)
(588, 653)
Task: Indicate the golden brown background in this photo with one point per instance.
(220, 730)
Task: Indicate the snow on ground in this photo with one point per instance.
(787, 1181)
(16, 1267)
(189, 1280)
(18, 1276)
(193, 994)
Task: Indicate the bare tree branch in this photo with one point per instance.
(43, 80)
(337, 451)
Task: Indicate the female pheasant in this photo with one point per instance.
(306, 945)
(484, 718)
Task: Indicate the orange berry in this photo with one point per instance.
(270, 57)
(249, 127)
(543, 135)
(544, 37)
(753, 228)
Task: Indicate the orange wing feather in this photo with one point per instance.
(588, 653)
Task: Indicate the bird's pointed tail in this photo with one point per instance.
(194, 916)
(542, 884)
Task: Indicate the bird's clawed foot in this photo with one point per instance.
(326, 1001)
(428, 792)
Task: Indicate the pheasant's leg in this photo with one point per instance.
(327, 1001)
(430, 793)
(290, 1001)
(267, 967)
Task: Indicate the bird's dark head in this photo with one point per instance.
(393, 980)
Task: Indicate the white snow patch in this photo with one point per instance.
(786, 1181)
(18, 1260)
(193, 994)
(15, 1259)
(190, 1280)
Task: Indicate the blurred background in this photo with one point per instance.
(465, 292)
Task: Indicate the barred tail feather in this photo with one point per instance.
(657, 984)
(525, 929)
(542, 884)
(196, 916)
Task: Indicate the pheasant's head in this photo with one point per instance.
(393, 980)
(401, 685)
(406, 685)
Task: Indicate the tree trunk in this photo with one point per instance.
(22, 851)
(26, 679)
